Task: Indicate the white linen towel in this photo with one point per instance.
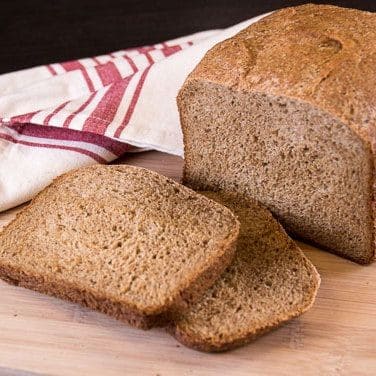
(61, 116)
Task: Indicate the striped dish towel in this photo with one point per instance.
(61, 116)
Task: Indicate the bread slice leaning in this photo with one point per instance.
(269, 282)
(120, 239)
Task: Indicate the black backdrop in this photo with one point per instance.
(36, 32)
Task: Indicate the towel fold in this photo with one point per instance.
(62, 116)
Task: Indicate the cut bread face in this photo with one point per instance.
(269, 282)
(311, 170)
(120, 239)
(283, 112)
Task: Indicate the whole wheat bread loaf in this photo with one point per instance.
(123, 240)
(269, 282)
(284, 112)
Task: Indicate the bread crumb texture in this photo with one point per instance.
(120, 239)
(269, 282)
(284, 112)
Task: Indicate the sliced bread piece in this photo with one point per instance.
(269, 282)
(284, 112)
(123, 240)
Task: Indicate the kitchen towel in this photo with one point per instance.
(62, 116)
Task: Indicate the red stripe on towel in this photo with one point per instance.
(133, 103)
(170, 50)
(76, 65)
(88, 153)
(25, 118)
(51, 70)
(108, 73)
(64, 134)
(57, 109)
(106, 109)
(69, 119)
(96, 61)
(131, 63)
(145, 51)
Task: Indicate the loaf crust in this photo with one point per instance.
(345, 84)
(321, 55)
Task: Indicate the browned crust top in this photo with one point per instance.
(321, 54)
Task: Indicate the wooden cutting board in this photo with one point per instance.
(43, 335)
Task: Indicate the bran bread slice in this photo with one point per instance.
(269, 282)
(283, 112)
(119, 239)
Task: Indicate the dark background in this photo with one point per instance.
(42, 31)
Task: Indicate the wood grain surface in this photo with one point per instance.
(42, 335)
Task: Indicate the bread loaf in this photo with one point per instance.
(269, 282)
(123, 240)
(285, 112)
